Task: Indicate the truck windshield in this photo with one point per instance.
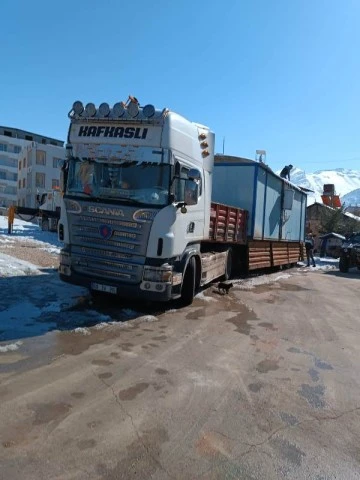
(135, 182)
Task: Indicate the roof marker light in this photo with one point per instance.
(149, 111)
(202, 136)
(205, 153)
(90, 109)
(204, 144)
(118, 109)
(104, 109)
(133, 109)
(78, 107)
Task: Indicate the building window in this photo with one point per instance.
(20, 165)
(28, 137)
(19, 183)
(55, 183)
(40, 157)
(17, 149)
(7, 133)
(3, 147)
(23, 183)
(24, 163)
(40, 180)
(43, 141)
(56, 162)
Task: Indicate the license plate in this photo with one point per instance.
(103, 288)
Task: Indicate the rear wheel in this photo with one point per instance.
(344, 264)
(45, 226)
(188, 286)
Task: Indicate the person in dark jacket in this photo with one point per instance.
(309, 247)
(285, 172)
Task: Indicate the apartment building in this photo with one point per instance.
(29, 165)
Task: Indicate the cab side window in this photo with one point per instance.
(179, 184)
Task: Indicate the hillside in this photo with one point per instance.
(346, 181)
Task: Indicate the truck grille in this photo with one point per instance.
(119, 257)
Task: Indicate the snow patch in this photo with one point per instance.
(100, 326)
(202, 296)
(147, 318)
(10, 347)
(82, 331)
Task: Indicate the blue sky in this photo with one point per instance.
(279, 75)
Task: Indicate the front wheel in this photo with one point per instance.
(188, 285)
(344, 264)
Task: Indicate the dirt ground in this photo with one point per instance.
(262, 383)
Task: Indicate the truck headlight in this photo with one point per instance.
(161, 274)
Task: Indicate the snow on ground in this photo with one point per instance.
(322, 264)
(34, 301)
(28, 232)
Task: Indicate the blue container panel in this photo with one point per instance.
(292, 225)
(272, 217)
(259, 209)
(233, 185)
(303, 218)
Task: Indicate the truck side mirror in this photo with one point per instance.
(191, 192)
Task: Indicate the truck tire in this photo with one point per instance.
(344, 264)
(188, 285)
(45, 225)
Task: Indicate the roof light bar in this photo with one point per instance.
(78, 107)
(149, 111)
(104, 109)
(133, 109)
(90, 110)
(118, 109)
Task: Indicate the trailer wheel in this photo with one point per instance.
(188, 285)
(344, 264)
(45, 226)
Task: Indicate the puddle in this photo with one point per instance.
(241, 319)
(132, 392)
(268, 325)
(288, 419)
(255, 387)
(314, 374)
(289, 451)
(313, 395)
(49, 412)
(267, 366)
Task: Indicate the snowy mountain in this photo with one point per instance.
(352, 198)
(347, 183)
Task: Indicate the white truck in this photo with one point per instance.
(49, 202)
(137, 218)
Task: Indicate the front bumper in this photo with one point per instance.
(137, 291)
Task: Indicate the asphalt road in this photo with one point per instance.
(262, 383)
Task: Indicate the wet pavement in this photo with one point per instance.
(262, 383)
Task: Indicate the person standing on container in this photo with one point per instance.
(285, 172)
(309, 247)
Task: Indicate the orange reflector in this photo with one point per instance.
(202, 136)
(204, 144)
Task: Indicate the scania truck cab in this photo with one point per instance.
(136, 202)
